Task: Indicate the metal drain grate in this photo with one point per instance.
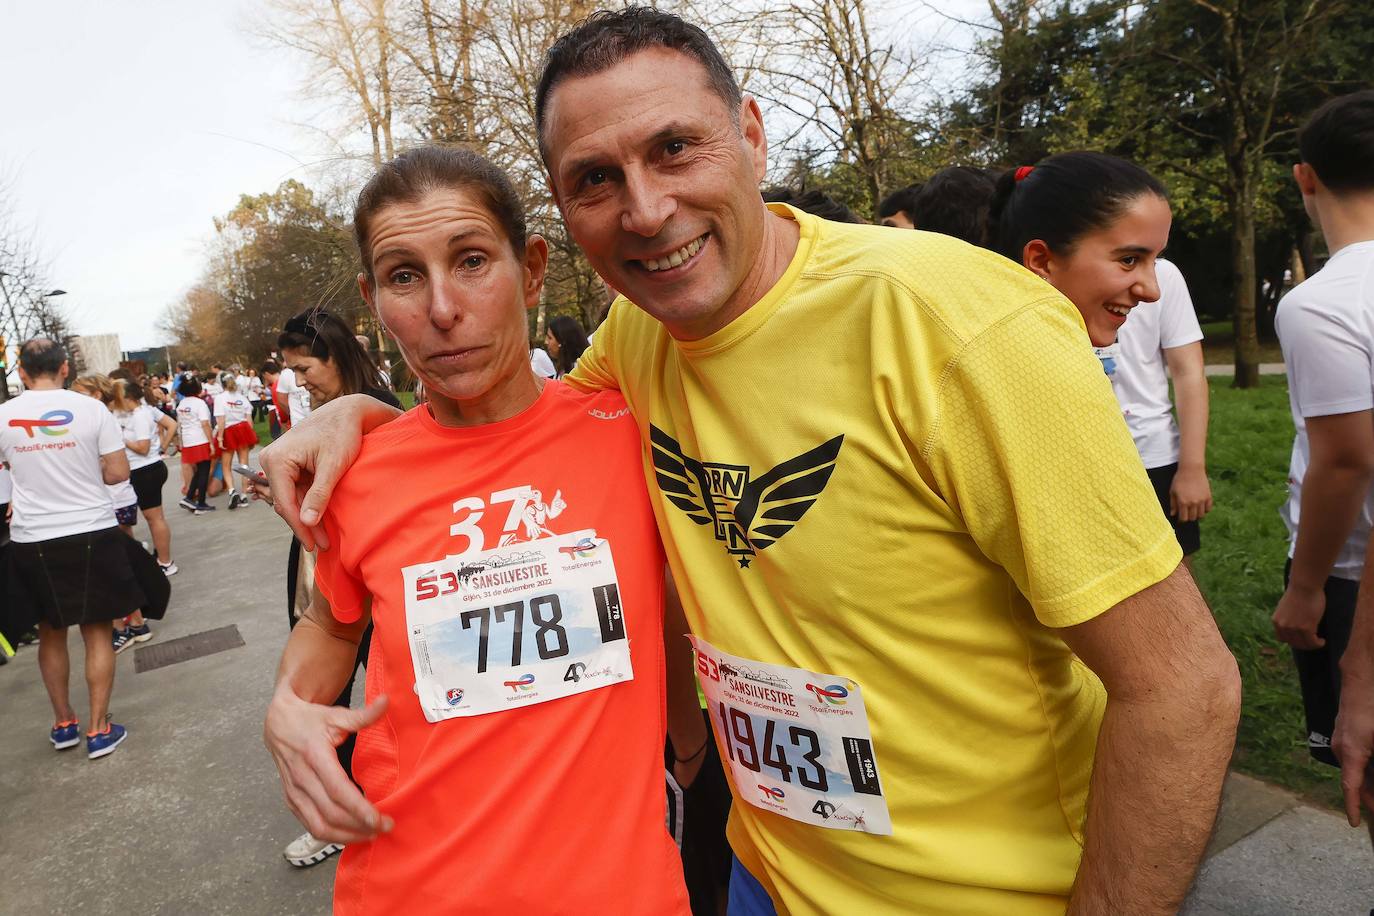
(146, 658)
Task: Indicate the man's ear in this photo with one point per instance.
(1306, 178)
(1038, 258)
(751, 127)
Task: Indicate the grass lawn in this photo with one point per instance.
(1240, 570)
(1219, 345)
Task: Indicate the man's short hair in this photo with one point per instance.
(607, 37)
(898, 202)
(955, 202)
(42, 357)
(1338, 142)
(817, 203)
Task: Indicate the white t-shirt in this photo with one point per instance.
(212, 389)
(134, 425)
(1326, 328)
(542, 364)
(190, 413)
(122, 494)
(296, 396)
(53, 440)
(1139, 372)
(155, 418)
(254, 386)
(234, 407)
(6, 485)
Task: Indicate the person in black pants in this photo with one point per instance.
(329, 363)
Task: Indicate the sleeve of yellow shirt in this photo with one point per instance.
(1031, 450)
(595, 368)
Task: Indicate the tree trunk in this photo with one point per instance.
(1243, 275)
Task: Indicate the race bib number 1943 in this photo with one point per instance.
(796, 742)
(515, 626)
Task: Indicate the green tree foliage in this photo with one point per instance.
(273, 255)
(1208, 94)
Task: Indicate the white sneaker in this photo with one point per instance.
(305, 850)
(169, 570)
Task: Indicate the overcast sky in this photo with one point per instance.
(124, 129)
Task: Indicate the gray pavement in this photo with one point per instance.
(187, 816)
(1229, 369)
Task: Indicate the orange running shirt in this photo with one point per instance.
(540, 807)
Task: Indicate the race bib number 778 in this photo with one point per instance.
(514, 626)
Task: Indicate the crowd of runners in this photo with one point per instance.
(835, 529)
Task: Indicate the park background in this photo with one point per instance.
(860, 98)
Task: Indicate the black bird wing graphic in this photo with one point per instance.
(681, 478)
(785, 493)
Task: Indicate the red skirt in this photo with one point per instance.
(240, 435)
(195, 454)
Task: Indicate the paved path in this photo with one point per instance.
(1230, 369)
(1274, 855)
(187, 817)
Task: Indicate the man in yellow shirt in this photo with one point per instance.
(952, 661)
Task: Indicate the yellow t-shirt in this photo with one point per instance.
(974, 487)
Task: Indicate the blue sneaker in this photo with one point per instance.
(65, 735)
(102, 743)
(122, 640)
(139, 634)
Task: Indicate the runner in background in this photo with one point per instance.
(1326, 328)
(193, 419)
(1093, 226)
(278, 412)
(294, 394)
(328, 363)
(124, 499)
(257, 395)
(139, 420)
(566, 342)
(68, 561)
(234, 434)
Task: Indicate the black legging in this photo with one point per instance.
(200, 482)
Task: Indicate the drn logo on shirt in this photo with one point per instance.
(748, 515)
(52, 423)
(527, 520)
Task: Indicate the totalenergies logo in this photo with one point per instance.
(772, 793)
(833, 695)
(524, 682)
(584, 548)
(52, 423)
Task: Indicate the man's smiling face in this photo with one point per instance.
(657, 179)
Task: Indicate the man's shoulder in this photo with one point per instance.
(963, 288)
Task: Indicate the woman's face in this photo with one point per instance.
(551, 344)
(1110, 270)
(318, 376)
(451, 291)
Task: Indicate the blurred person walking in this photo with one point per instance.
(68, 563)
(193, 419)
(234, 434)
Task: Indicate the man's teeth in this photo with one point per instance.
(1119, 310)
(676, 258)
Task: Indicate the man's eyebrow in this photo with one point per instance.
(663, 134)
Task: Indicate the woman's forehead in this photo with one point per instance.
(437, 216)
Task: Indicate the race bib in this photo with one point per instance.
(797, 742)
(515, 626)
